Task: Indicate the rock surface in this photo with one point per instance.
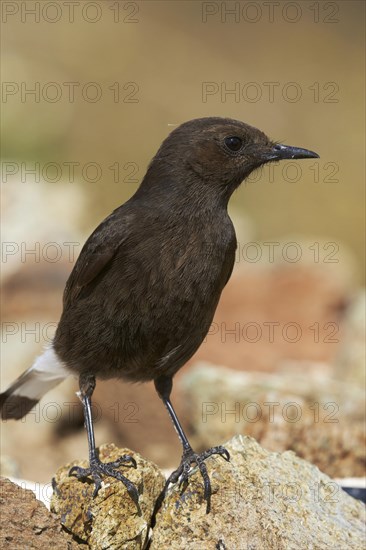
(111, 519)
(261, 500)
(26, 523)
(302, 409)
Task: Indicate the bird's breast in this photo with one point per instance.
(191, 262)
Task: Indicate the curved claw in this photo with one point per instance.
(132, 491)
(207, 485)
(73, 470)
(98, 486)
(128, 458)
(225, 454)
(221, 451)
(79, 471)
(184, 472)
(173, 478)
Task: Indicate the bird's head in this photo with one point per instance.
(220, 152)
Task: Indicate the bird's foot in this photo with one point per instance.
(190, 457)
(97, 469)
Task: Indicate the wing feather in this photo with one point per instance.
(97, 253)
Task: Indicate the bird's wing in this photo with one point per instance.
(97, 253)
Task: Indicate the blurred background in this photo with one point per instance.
(89, 91)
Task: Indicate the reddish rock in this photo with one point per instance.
(26, 523)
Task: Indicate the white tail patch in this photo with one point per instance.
(47, 372)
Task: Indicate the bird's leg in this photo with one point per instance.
(163, 386)
(96, 467)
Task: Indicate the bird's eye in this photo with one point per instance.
(233, 143)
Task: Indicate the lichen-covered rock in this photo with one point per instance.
(26, 523)
(261, 500)
(111, 519)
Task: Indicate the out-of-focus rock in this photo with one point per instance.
(263, 500)
(111, 519)
(26, 523)
(8, 467)
(268, 314)
(51, 235)
(303, 410)
(350, 361)
(140, 420)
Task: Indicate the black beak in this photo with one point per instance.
(280, 152)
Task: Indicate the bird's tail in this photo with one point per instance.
(46, 372)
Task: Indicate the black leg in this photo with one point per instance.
(96, 467)
(163, 386)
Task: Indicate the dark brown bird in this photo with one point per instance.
(144, 290)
